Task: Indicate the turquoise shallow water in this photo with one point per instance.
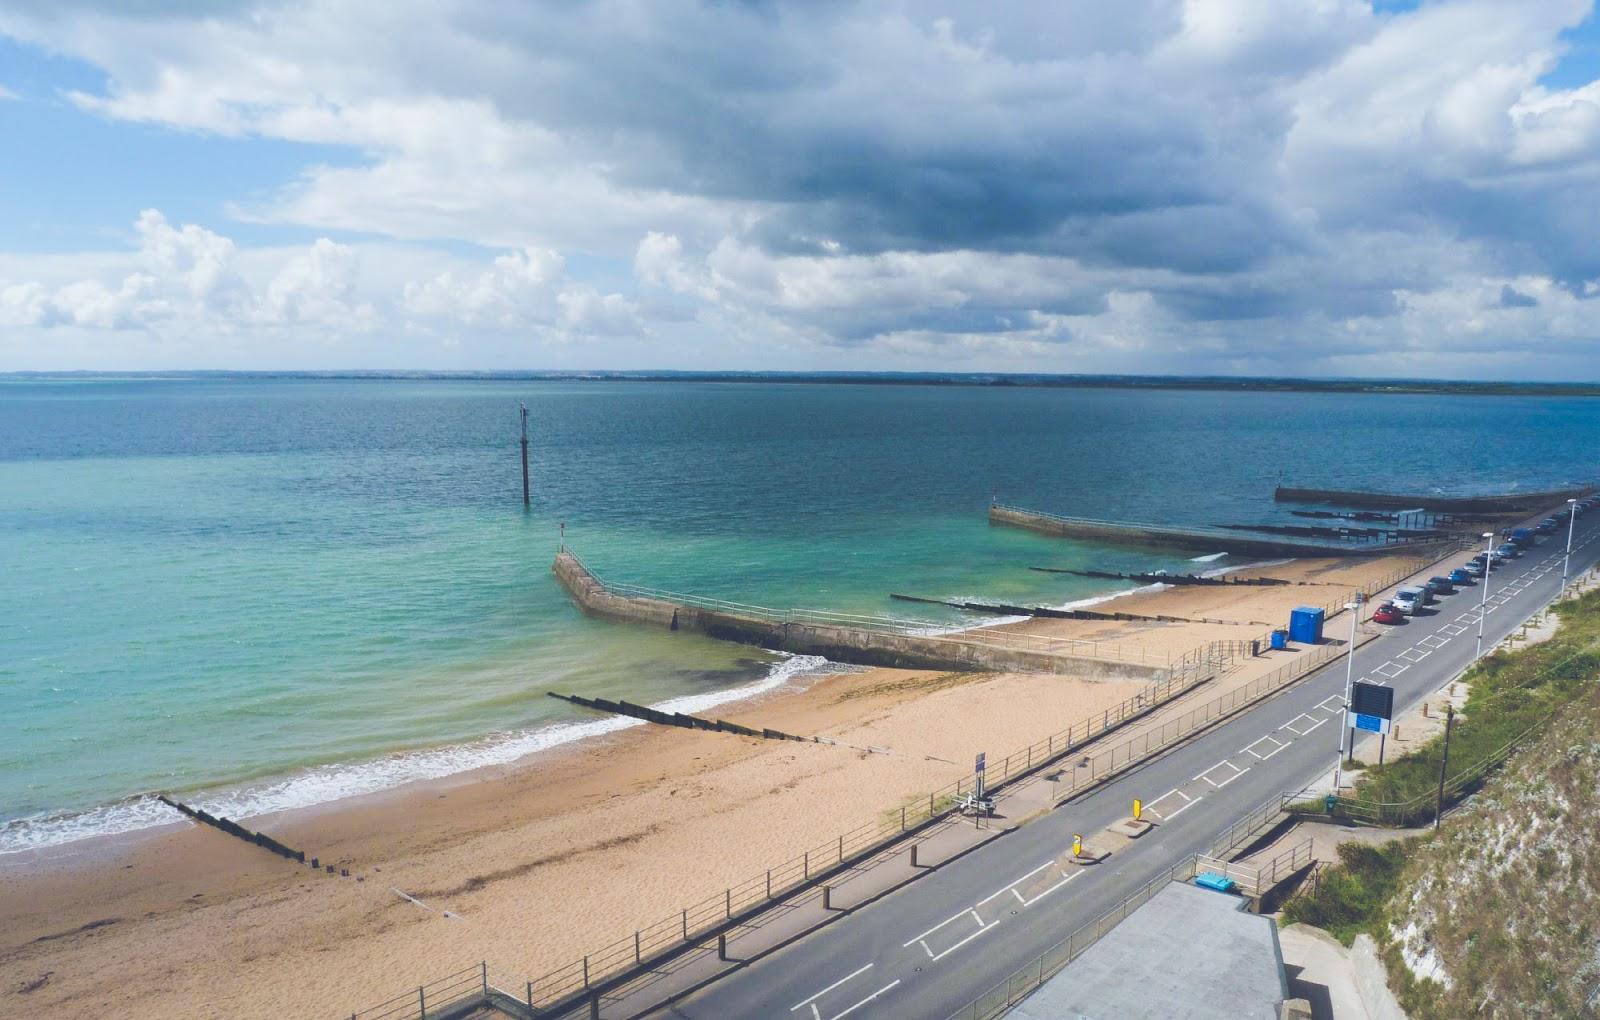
(266, 593)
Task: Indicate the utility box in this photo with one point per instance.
(1280, 640)
(1305, 625)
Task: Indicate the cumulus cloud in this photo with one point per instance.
(1156, 184)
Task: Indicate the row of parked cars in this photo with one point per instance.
(1408, 600)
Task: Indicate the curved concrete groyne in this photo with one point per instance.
(1505, 503)
(1154, 536)
(842, 642)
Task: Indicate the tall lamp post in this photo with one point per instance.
(1483, 603)
(1572, 516)
(1349, 690)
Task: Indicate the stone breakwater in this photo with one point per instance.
(858, 645)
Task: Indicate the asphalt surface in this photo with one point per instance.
(935, 945)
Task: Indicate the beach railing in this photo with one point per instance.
(1095, 767)
(434, 998)
(1026, 979)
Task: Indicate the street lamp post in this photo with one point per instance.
(1572, 516)
(1349, 690)
(1483, 603)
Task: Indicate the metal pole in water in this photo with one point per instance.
(526, 498)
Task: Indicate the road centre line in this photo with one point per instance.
(863, 1002)
(836, 984)
(1433, 641)
(935, 957)
(1335, 708)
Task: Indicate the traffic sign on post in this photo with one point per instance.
(978, 767)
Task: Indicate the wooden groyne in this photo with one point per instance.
(1186, 579)
(846, 640)
(1503, 503)
(1155, 536)
(691, 722)
(1046, 612)
(234, 829)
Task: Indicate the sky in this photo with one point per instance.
(1251, 187)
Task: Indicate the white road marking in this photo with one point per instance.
(836, 984)
(868, 999)
(1030, 901)
(1016, 882)
(1237, 772)
(1434, 641)
(1278, 745)
(1391, 670)
(1290, 725)
(1335, 708)
(1188, 803)
(958, 915)
(1414, 654)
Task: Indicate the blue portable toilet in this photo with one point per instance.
(1305, 625)
(1280, 640)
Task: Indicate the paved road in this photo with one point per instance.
(929, 949)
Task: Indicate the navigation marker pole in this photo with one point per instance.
(526, 498)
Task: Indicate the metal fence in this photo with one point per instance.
(434, 998)
(1256, 880)
(1023, 981)
(1095, 767)
(699, 921)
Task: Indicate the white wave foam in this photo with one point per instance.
(326, 783)
(1095, 600)
(1211, 558)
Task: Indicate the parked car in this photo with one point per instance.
(1508, 550)
(1460, 575)
(1441, 585)
(1523, 538)
(1475, 568)
(1409, 600)
(1388, 613)
(1547, 526)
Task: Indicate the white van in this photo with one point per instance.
(1409, 600)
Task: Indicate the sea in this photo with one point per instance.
(263, 593)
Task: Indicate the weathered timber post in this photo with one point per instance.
(526, 497)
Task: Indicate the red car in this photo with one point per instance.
(1387, 613)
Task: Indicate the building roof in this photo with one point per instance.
(1187, 954)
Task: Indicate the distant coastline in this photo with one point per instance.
(1243, 384)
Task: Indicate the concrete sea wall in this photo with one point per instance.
(857, 645)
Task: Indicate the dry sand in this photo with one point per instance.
(531, 866)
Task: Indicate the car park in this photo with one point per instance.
(1409, 600)
(1388, 613)
(1441, 585)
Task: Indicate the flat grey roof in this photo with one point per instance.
(1187, 954)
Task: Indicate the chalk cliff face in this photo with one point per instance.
(1500, 915)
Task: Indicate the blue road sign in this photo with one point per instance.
(1374, 723)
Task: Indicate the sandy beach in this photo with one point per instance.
(532, 865)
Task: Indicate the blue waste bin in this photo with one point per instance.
(1280, 639)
